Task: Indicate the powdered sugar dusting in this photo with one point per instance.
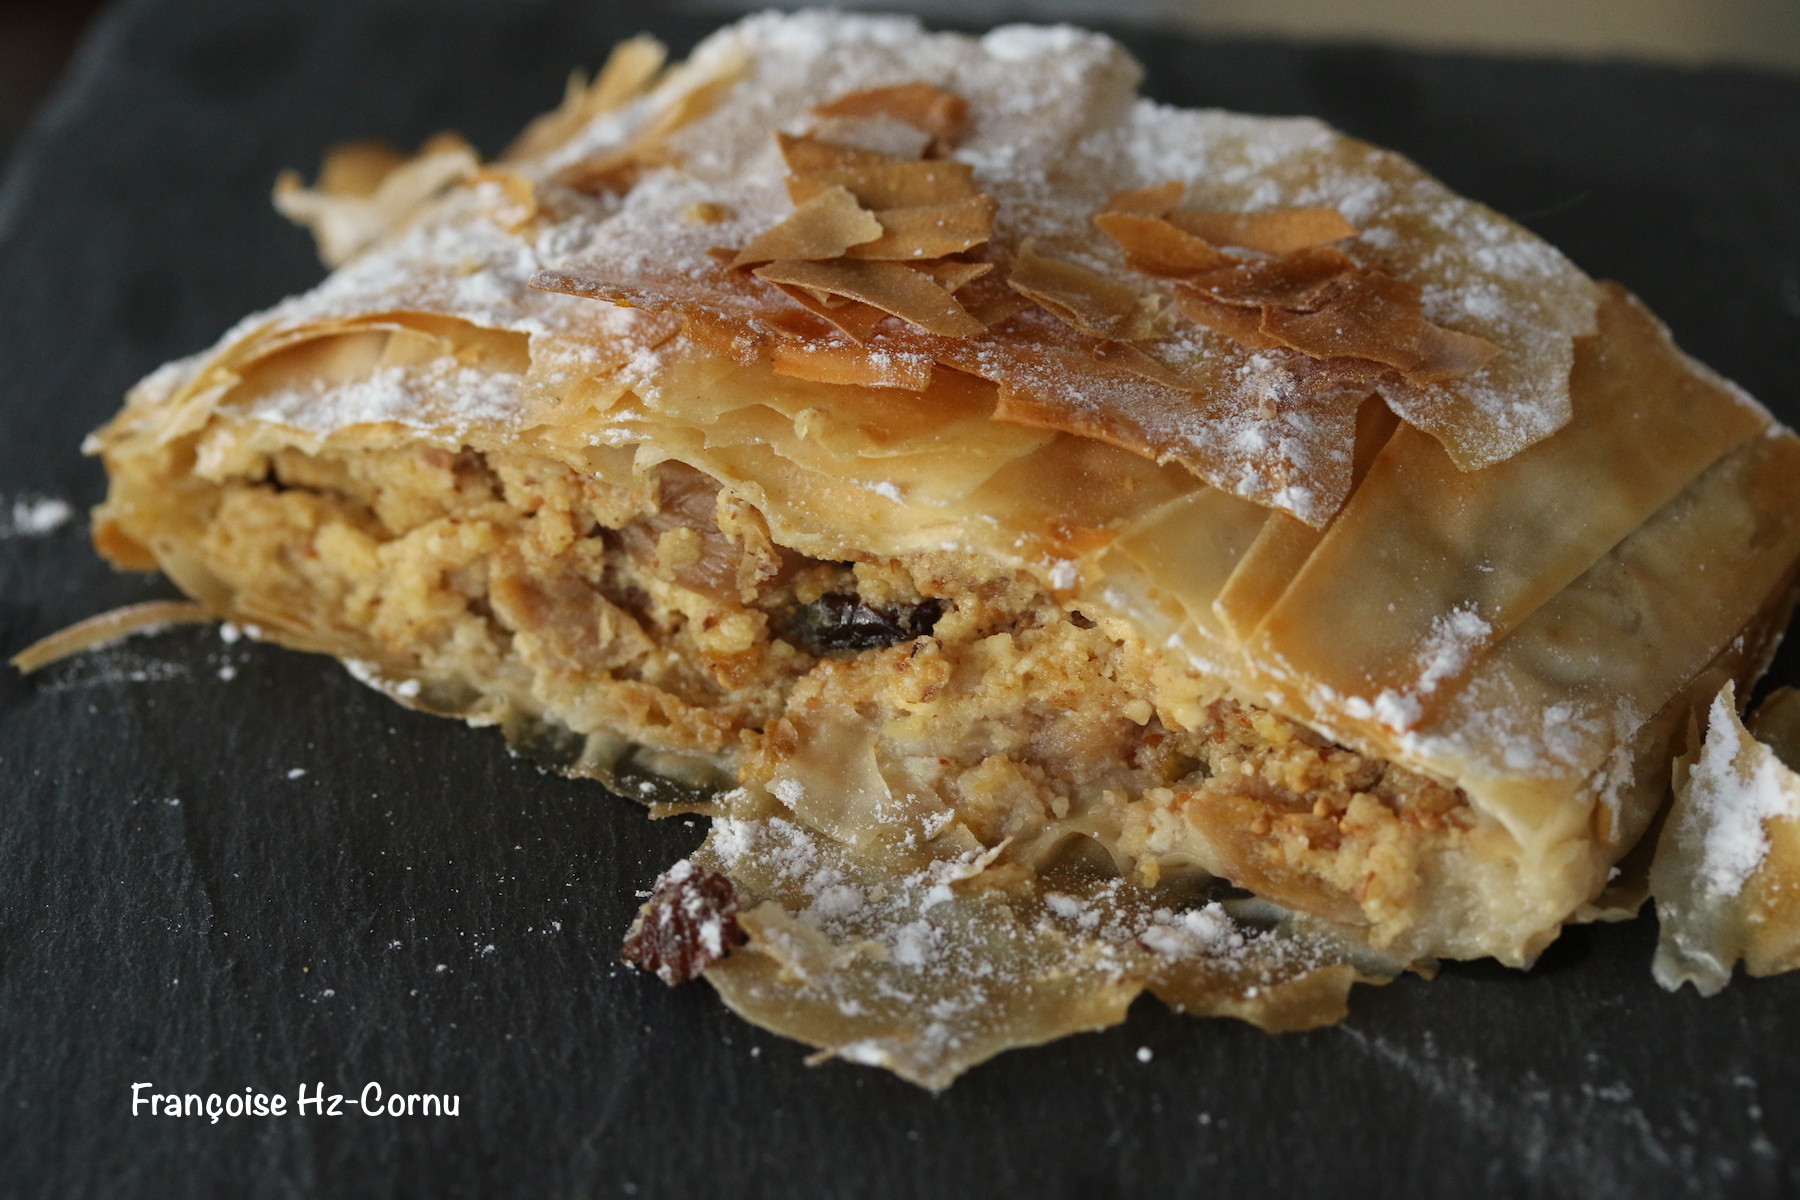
(440, 396)
(1715, 843)
(1031, 92)
(1454, 639)
(927, 971)
(34, 516)
(1055, 128)
(829, 893)
(1452, 643)
(1737, 784)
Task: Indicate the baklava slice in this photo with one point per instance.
(1071, 546)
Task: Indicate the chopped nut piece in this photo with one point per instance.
(702, 212)
(688, 924)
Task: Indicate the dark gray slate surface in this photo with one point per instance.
(421, 910)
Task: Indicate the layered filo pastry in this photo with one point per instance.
(1070, 546)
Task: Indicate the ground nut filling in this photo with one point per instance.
(923, 706)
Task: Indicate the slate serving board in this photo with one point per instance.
(180, 906)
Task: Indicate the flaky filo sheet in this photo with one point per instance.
(1516, 584)
(1728, 860)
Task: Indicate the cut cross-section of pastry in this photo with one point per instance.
(1071, 546)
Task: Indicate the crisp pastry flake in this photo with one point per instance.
(1726, 877)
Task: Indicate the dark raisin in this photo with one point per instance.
(688, 924)
(924, 617)
(839, 621)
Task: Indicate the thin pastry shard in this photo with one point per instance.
(890, 184)
(1727, 871)
(1284, 544)
(367, 189)
(932, 110)
(694, 94)
(1376, 317)
(1241, 323)
(850, 364)
(824, 226)
(807, 154)
(911, 295)
(103, 630)
(630, 69)
(1432, 565)
(1155, 246)
(852, 318)
(1086, 300)
(1277, 231)
(1009, 585)
(930, 231)
(1307, 296)
(1301, 281)
(1322, 303)
(1272, 231)
(822, 938)
(831, 249)
(954, 273)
